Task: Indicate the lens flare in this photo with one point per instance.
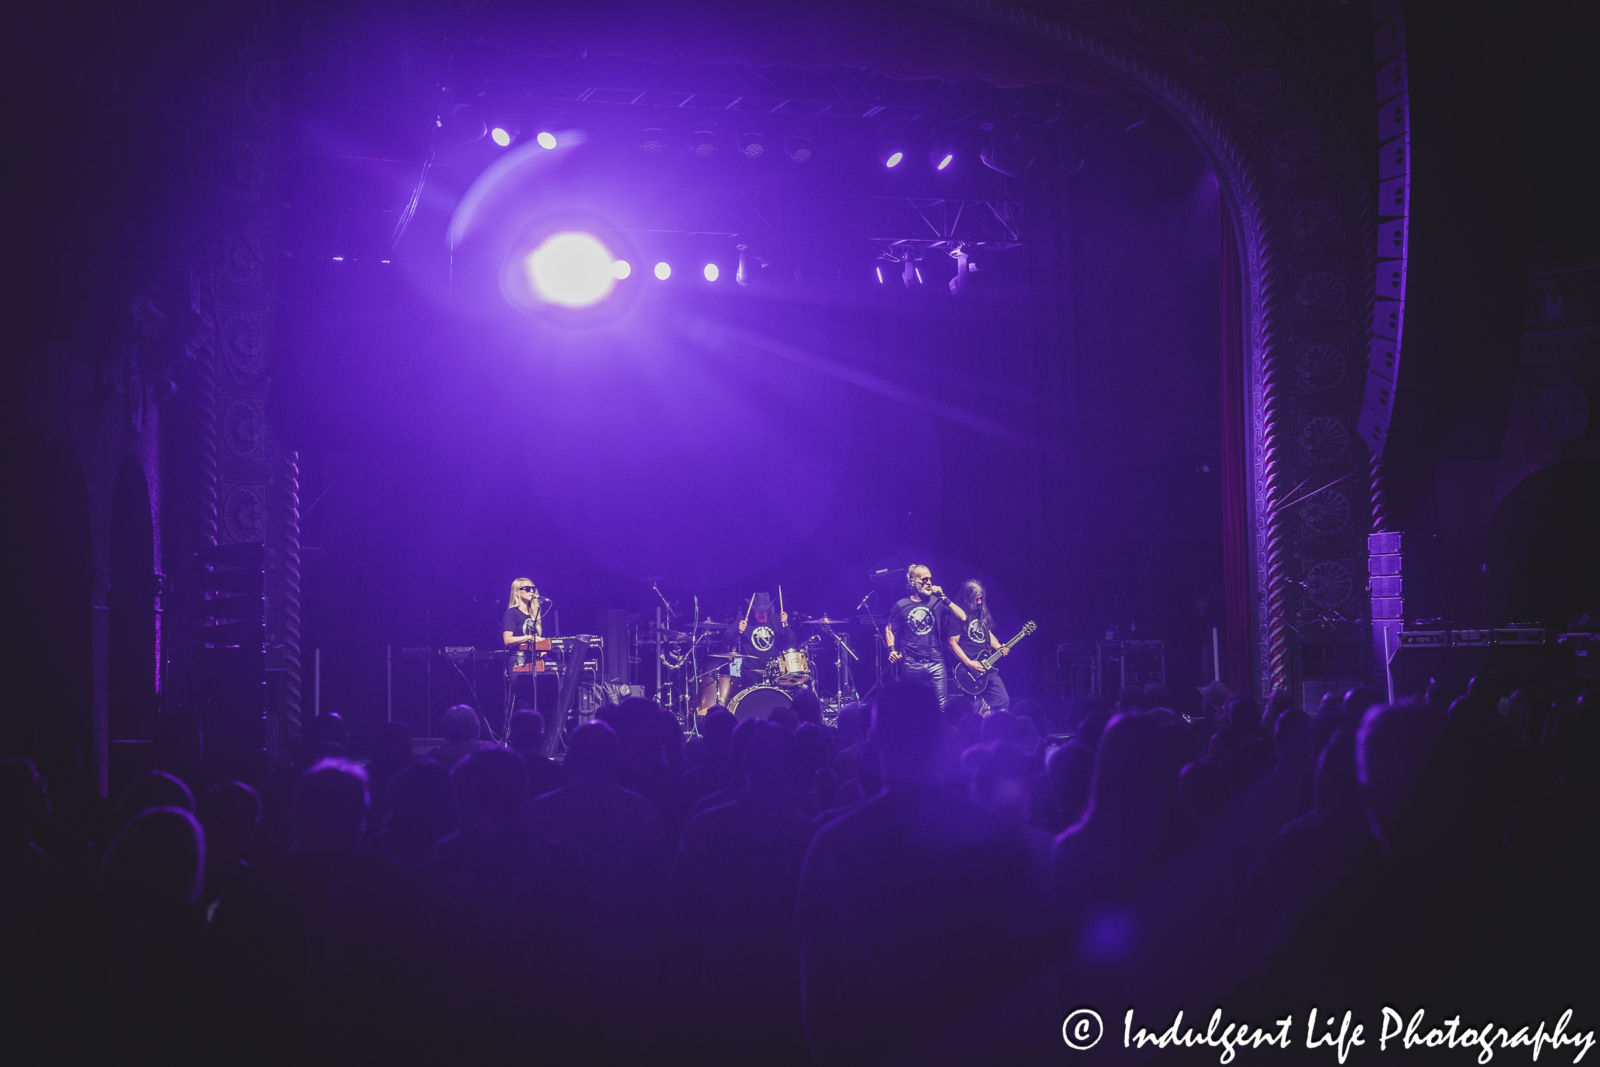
(501, 136)
(663, 271)
(572, 270)
(621, 269)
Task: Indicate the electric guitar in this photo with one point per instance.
(970, 681)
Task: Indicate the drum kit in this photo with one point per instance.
(704, 680)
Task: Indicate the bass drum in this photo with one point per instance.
(757, 702)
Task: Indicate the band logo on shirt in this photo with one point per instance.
(975, 631)
(761, 638)
(920, 620)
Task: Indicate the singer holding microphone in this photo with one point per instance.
(912, 633)
(522, 624)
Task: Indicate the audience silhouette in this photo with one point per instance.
(882, 888)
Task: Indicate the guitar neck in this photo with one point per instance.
(989, 660)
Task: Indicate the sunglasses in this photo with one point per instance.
(524, 588)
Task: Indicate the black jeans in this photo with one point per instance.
(992, 693)
(929, 673)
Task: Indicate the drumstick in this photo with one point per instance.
(749, 606)
(780, 601)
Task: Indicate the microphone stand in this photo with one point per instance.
(877, 642)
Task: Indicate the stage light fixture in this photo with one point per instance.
(571, 269)
(501, 136)
(946, 147)
(711, 272)
(703, 143)
(546, 139)
(879, 269)
(464, 124)
(1005, 152)
(663, 271)
(909, 274)
(752, 145)
(894, 142)
(964, 267)
(619, 270)
(653, 139)
(797, 143)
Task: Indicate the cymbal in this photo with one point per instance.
(672, 635)
(824, 621)
(709, 625)
(726, 655)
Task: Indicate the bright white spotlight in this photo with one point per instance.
(502, 136)
(663, 271)
(945, 162)
(621, 269)
(894, 159)
(711, 272)
(572, 270)
(546, 139)
(880, 275)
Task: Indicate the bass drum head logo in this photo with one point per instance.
(920, 619)
(761, 638)
(976, 633)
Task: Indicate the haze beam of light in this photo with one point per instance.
(521, 162)
(716, 335)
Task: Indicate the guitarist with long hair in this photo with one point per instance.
(970, 638)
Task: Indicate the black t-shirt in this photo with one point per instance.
(518, 622)
(917, 629)
(763, 640)
(972, 635)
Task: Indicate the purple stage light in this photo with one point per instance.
(894, 159)
(663, 271)
(571, 269)
(501, 136)
(546, 139)
(711, 272)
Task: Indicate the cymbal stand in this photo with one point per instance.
(841, 650)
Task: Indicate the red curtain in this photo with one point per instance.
(1235, 462)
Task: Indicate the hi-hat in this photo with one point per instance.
(824, 621)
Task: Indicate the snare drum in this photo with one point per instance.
(757, 702)
(791, 667)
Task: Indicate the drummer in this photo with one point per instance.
(759, 640)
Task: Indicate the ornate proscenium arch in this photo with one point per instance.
(1303, 205)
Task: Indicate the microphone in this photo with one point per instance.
(865, 599)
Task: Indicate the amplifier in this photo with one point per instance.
(1471, 638)
(1424, 639)
(1520, 635)
(458, 648)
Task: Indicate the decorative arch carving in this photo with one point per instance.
(1303, 205)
